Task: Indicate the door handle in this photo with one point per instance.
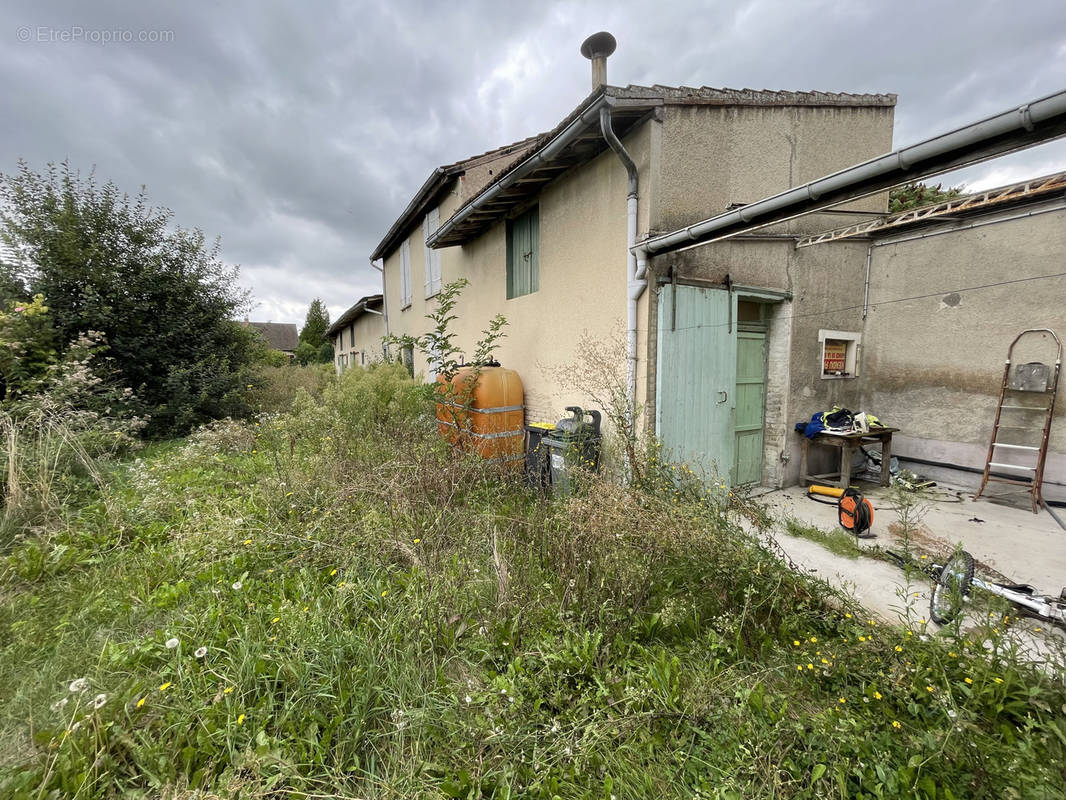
(724, 397)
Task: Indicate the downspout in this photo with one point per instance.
(635, 268)
(866, 289)
(384, 305)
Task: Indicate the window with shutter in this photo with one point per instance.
(429, 227)
(405, 273)
(523, 269)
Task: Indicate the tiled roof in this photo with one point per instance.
(631, 103)
(279, 335)
(372, 302)
(428, 196)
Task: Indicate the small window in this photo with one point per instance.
(351, 335)
(523, 246)
(840, 354)
(405, 273)
(429, 227)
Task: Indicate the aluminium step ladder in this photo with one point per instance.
(1026, 405)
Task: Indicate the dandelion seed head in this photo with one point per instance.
(79, 685)
(237, 586)
(172, 642)
(99, 700)
(200, 652)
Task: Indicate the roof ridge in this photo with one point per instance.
(805, 97)
(495, 152)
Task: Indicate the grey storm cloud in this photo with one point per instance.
(298, 132)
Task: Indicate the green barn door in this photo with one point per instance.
(696, 378)
(750, 391)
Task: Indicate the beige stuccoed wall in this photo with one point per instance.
(714, 156)
(582, 294)
(368, 329)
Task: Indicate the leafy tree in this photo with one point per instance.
(160, 296)
(915, 195)
(306, 353)
(27, 345)
(315, 325)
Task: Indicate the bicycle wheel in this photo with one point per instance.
(950, 588)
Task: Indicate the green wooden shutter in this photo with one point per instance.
(523, 268)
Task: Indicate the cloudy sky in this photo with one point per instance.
(298, 131)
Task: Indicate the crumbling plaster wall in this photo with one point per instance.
(933, 365)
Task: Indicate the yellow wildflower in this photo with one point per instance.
(968, 680)
(842, 700)
(877, 695)
(862, 638)
(895, 724)
(384, 592)
(810, 666)
(998, 680)
(825, 661)
(332, 572)
(416, 541)
(814, 639)
(141, 701)
(227, 690)
(898, 649)
(240, 719)
(247, 541)
(930, 689)
(276, 619)
(847, 615)
(165, 686)
(796, 642)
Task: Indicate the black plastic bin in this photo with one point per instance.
(538, 463)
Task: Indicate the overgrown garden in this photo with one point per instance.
(328, 602)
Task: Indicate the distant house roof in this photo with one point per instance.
(371, 302)
(279, 335)
(629, 106)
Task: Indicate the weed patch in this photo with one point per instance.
(330, 602)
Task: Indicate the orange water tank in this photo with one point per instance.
(483, 411)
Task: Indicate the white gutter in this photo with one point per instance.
(1030, 124)
(384, 304)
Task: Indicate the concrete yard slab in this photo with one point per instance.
(1007, 542)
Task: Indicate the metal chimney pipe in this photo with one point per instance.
(596, 48)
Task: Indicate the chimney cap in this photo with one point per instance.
(599, 45)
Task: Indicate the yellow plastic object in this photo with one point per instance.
(828, 491)
(483, 411)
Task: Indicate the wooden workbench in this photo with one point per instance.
(848, 444)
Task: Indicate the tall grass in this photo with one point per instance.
(328, 602)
